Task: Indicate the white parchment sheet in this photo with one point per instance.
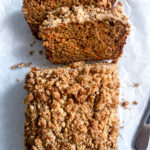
(15, 40)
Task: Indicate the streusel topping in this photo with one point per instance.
(80, 14)
(72, 108)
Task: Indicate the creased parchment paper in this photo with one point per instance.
(15, 40)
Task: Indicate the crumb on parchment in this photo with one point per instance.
(31, 53)
(41, 52)
(21, 65)
(136, 85)
(34, 68)
(135, 103)
(122, 127)
(125, 103)
(126, 107)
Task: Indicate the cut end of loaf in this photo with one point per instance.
(84, 33)
(99, 40)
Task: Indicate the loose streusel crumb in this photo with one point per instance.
(41, 52)
(72, 108)
(125, 103)
(31, 53)
(136, 84)
(28, 64)
(21, 65)
(122, 127)
(135, 103)
(126, 107)
(13, 67)
(34, 68)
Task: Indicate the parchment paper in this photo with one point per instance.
(15, 40)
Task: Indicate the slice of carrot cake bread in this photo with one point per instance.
(84, 33)
(35, 11)
(72, 108)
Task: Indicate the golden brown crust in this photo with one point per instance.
(35, 11)
(72, 108)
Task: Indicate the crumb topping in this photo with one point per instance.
(81, 14)
(72, 108)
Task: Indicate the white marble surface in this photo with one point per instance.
(15, 40)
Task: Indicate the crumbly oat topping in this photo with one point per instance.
(72, 108)
(81, 14)
(21, 65)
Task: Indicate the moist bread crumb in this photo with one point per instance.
(72, 108)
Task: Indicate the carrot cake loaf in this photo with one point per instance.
(72, 108)
(35, 11)
(84, 33)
